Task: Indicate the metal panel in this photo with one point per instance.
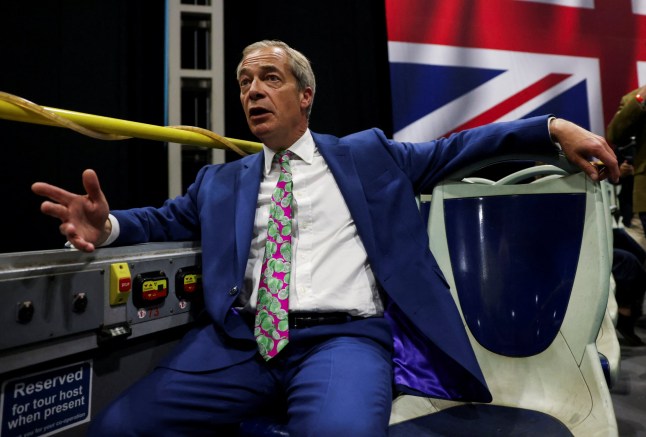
(57, 302)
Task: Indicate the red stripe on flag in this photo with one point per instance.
(511, 103)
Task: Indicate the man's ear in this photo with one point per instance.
(306, 100)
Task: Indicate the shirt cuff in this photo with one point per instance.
(556, 143)
(114, 234)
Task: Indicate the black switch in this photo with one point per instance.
(188, 283)
(79, 303)
(25, 311)
(149, 289)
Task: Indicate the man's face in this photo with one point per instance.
(274, 107)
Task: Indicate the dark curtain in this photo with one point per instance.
(97, 57)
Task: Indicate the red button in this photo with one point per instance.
(124, 285)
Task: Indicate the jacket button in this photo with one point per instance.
(233, 291)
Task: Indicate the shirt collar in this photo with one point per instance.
(303, 148)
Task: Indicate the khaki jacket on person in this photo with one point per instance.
(629, 121)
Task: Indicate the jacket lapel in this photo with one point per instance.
(247, 187)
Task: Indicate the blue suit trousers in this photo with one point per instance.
(321, 386)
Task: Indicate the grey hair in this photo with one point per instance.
(299, 64)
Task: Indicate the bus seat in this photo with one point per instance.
(529, 269)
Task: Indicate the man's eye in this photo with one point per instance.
(244, 82)
(273, 78)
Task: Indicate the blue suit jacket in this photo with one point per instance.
(379, 180)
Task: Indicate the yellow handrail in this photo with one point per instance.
(18, 109)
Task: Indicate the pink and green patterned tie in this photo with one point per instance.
(272, 326)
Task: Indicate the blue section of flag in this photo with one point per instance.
(572, 105)
(419, 89)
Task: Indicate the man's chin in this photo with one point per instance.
(260, 131)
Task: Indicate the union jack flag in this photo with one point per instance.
(457, 64)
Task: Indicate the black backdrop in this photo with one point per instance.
(107, 57)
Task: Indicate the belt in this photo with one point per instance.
(307, 320)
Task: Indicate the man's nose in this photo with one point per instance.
(255, 90)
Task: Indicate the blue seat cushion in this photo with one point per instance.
(481, 420)
(461, 421)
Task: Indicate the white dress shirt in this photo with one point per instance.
(330, 269)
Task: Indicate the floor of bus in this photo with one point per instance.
(629, 393)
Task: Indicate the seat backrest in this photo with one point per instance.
(529, 269)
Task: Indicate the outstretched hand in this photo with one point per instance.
(84, 218)
(588, 151)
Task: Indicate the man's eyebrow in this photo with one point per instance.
(267, 68)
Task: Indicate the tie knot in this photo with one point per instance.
(284, 156)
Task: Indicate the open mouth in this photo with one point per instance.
(256, 112)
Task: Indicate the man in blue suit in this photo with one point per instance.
(369, 309)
